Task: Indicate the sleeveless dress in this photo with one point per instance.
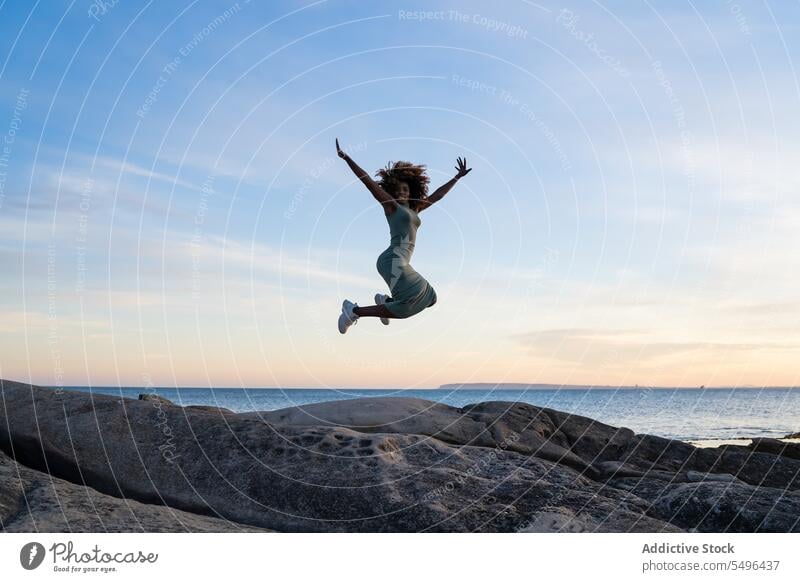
(410, 292)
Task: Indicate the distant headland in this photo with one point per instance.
(523, 386)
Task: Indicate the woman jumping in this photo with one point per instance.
(403, 193)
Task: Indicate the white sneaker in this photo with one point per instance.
(380, 299)
(347, 318)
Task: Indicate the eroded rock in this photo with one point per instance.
(394, 464)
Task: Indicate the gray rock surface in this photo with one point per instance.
(31, 501)
(397, 464)
(159, 401)
(775, 447)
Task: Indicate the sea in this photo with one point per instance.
(699, 415)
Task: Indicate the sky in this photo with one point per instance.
(172, 211)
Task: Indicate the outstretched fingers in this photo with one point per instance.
(461, 166)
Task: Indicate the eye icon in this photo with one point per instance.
(31, 555)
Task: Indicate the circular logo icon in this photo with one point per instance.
(31, 555)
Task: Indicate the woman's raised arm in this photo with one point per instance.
(461, 171)
(375, 189)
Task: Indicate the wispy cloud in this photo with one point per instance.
(612, 348)
(268, 259)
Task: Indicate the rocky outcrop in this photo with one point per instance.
(775, 447)
(161, 401)
(397, 464)
(31, 501)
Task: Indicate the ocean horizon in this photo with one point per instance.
(689, 414)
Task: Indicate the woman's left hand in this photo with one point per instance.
(339, 151)
(461, 168)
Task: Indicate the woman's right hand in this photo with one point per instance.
(339, 151)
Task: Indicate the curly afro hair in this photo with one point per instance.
(412, 174)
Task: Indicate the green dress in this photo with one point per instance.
(410, 292)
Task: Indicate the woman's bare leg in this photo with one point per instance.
(375, 311)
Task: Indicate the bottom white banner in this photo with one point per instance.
(390, 557)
